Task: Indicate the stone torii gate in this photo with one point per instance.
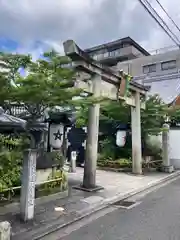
(105, 82)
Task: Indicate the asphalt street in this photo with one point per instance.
(157, 217)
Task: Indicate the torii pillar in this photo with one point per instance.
(136, 135)
(89, 179)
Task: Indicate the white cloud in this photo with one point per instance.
(89, 22)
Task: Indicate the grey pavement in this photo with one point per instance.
(157, 217)
(78, 204)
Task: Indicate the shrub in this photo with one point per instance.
(10, 162)
(107, 148)
(61, 183)
(119, 163)
(153, 148)
(57, 158)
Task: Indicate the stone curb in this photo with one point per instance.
(149, 186)
(100, 206)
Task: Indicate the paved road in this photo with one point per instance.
(157, 217)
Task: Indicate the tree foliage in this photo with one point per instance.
(153, 116)
(174, 115)
(10, 161)
(115, 110)
(47, 82)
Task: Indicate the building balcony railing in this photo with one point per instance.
(130, 52)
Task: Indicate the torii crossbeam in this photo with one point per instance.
(84, 63)
(105, 82)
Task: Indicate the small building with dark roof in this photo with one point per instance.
(117, 51)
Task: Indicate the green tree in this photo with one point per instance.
(154, 115)
(152, 119)
(9, 70)
(115, 110)
(47, 84)
(174, 115)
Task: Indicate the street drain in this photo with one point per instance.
(125, 204)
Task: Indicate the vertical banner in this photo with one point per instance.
(124, 85)
(56, 135)
(122, 88)
(128, 79)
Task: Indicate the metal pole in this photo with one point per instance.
(72, 167)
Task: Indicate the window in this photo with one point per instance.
(149, 68)
(112, 53)
(117, 52)
(168, 65)
(99, 56)
(106, 55)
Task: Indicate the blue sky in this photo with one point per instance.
(34, 26)
(8, 44)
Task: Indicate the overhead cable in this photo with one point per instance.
(164, 10)
(162, 24)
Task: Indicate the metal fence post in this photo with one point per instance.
(73, 161)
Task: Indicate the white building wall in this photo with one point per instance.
(174, 147)
(135, 66)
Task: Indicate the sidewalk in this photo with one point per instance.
(49, 218)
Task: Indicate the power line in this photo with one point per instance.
(165, 24)
(177, 42)
(168, 15)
